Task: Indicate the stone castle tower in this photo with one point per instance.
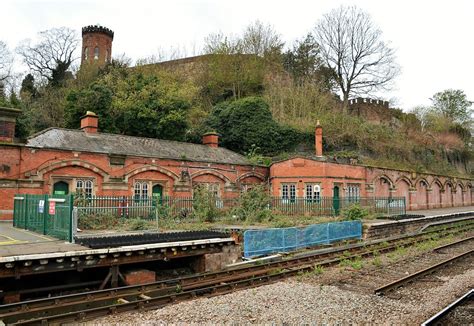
(96, 44)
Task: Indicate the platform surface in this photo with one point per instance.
(442, 211)
(14, 241)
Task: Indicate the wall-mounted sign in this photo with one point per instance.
(52, 208)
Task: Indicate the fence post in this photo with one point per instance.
(71, 226)
(26, 212)
(45, 215)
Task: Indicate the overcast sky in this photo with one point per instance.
(434, 39)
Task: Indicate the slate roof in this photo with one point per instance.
(78, 140)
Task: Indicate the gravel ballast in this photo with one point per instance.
(295, 302)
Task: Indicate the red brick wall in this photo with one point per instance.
(433, 192)
(103, 41)
(28, 170)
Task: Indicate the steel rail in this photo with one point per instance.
(438, 317)
(164, 289)
(189, 280)
(453, 244)
(412, 277)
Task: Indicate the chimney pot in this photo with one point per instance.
(7, 124)
(90, 122)
(318, 139)
(211, 139)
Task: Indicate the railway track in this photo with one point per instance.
(438, 318)
(426, 271)
(89, 305)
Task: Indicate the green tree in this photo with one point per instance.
(453, 104)
(133, 103)
(247, 123)
(305, 64)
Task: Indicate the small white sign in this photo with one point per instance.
(41, 206)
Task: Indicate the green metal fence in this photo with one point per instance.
(143, 207)
(182, 207)
(47, 214)
(329, 206)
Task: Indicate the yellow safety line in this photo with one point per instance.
(5, 243)
(9, 238)
(34, 234)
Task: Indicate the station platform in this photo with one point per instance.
(442, 211)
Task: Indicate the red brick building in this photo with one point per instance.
(65, 161)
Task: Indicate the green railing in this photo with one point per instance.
(47, 214)
(143, 207)
(329, 206)
(182, 207)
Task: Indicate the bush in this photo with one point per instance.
(136, 224)
(204, 204)
(98, 221)
(354, 212)
(247, 124)
(253, 205)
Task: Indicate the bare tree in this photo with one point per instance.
(53, 55)
(261, 40)
(6, 61)
(351, 45)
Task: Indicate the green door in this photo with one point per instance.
(335, 200)
(157, 192)
(60, 188)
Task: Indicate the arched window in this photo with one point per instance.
(107, 55)
(86, 53)
(96, 53)
(141, 190)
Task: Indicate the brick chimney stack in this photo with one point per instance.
(90, 122)
(211, 139)
(318, 139)
(7, 124)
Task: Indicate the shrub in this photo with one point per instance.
(204, 204)
(253, 205)
(136, 224)
(354, 212)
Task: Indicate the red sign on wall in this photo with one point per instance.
(52, 208)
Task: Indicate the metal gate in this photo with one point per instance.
(47, 214)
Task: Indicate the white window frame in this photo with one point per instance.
(353, 192)
(140, 189)
(312, 192)
(288, 192)
(84, 186)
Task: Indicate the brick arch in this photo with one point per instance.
(147, 168)
(73, 163)
(422, 179)
(211, 172)
(449, 189)
(448, 182)
(458, 196)
(251, 174)
(383, 186)
(402, 189)
(459, 183)
(383, 177)
(421, 198)
(405, 179)
(468, 200)
(438, 182)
